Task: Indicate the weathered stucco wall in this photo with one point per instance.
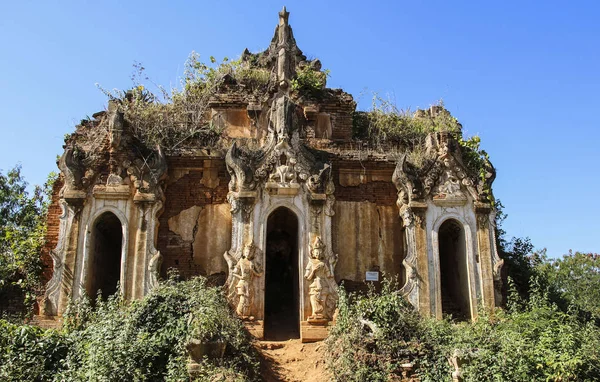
(367, 237)
(195, 226)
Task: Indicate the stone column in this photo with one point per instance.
(136, 288)
(484, 255)
(419, 210)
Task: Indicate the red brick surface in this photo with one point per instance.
(185, 193)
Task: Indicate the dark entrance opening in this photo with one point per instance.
(453, 271)
(104, 264)
(281, 276)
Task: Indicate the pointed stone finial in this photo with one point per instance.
(283, 16)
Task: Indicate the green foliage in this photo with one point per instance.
(518, 254)
(575, 278)
(376, 333)
(519, 259)
(29, 353)
(254, 79)
(22, 231)
(532, 341)
(141, 341)
(385, 123)
(310, 82)
(169, 118)
(473, 156)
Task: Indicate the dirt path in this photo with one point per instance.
(292, 361)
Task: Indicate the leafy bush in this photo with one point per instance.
(375, 334)
(256, 79)
(141, 341)
(310, 81)
(573, 279)
(385, 126)
(171, 117)
(386, 123)
(29, 353)
(533, 340)
(22, 231)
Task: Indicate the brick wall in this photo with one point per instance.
(378, 192)
(340, 107)
(184, 193)
(53, 225)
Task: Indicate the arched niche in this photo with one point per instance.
(105, 250)
(282, 286)
(454, 273)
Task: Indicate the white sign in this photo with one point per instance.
(372, 276)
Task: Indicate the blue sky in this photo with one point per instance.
(523, 75)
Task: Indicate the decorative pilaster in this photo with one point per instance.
(147, 175)
(484, 255)
(59, 288)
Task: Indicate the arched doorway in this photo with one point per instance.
(453, 270)
(281, 276)
(104, 262)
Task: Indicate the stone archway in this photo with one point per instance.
(282, 296)
(454, 276)
(104, 262)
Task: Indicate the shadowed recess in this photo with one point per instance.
(281, 288)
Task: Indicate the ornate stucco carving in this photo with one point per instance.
(319, 182)
(154, 270)
(443, 177)
(148, 173)
(116, 123)
(407, 181)
(244, 266)
(283, 172)
(240, 167)
(78, 178)
(322, 289)
(284, 160)
(68, 221)
(411, 222)
(444, 183)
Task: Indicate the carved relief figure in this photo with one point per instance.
(154, 269)
(244, 271)
(285, 173)
(322, 288)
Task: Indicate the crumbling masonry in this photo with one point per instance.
(284, 208)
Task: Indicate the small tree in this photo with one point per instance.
(22, 230)
(576, 279)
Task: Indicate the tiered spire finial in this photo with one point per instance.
(283, 17)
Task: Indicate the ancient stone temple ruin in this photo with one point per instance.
(280, 208)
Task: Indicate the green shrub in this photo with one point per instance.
(574, 279)
(385, 123)
(22, 231)
(29, 353)
(310, 82)
(532, 341)
(141, 341)
(376, 333)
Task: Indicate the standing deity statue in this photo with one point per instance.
(322, 288)
(244, 271)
